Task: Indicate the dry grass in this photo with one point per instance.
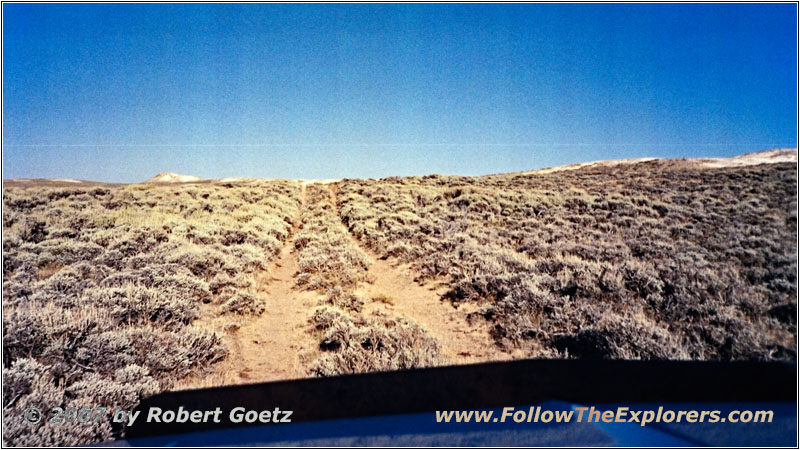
(383, 298)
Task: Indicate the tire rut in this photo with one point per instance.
(271, 346)
(393, 284)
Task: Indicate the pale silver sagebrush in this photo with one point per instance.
(101, 286)
(643, 261)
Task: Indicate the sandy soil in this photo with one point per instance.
(462, 342)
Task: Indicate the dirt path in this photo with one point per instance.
(277, 344)
(393, 283)
(274, 345)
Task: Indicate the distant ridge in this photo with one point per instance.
(772, 156)
(748, 159)
(172, 177)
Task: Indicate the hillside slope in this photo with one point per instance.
(786, 155)
(171, 177)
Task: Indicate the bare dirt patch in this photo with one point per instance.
(394, 291)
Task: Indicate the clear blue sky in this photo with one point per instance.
(120, 92)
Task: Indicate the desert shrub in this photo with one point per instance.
(65, 251)
(223, 282)
(64, 287)
(43, 393)
(357, 345)
(328, 257)
(139, 240)
(32, 386)
(325, 316)
(101, 286)
(19, 379)
(167, 355)
(248, 258)
(33, 230)
(242, 303)
(347, 301)
(203, 262)
(327, 264)
(136, 304)
(332, 263)
(703, 254)
(61, 357)
(123, 390)
(173, 280)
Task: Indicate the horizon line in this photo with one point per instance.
(769, 146)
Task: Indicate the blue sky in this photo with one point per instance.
(121, 92)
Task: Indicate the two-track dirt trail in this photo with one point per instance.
(270, 346)
(277, 345)
(462, 341)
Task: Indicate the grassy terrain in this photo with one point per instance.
(115, 292)
(101, 286)
(333, 264)
(643, 261)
